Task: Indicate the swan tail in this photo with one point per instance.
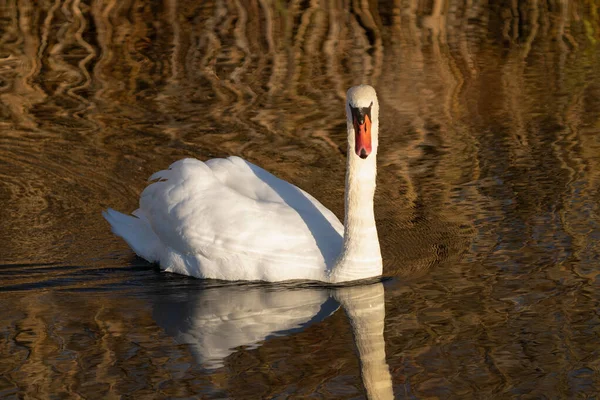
(136, 231)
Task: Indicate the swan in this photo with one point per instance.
(229, 219)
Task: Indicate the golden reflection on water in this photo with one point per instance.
(487, 201)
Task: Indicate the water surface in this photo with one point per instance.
(487, 198)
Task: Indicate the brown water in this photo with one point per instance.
(487, 199)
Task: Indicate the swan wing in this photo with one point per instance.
(227, 207)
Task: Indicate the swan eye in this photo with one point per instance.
(359, 113)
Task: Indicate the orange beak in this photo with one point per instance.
(362, 134)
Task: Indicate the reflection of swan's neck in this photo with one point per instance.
(360, 256)
(365, 308)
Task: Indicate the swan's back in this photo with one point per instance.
(249, 180)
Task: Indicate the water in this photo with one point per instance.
(487, 199)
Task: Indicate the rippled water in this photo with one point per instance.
(487, 199)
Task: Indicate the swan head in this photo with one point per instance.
(362, 110)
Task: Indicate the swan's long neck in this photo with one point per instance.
(360, 257)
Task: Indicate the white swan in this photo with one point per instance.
(229, 219)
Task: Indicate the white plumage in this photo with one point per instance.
(230, 219)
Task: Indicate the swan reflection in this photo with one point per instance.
(216, 321)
